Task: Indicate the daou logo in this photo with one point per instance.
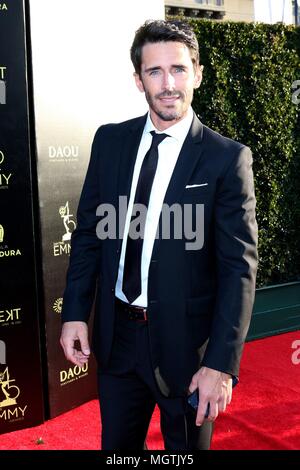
(73, 373)
(63, 153)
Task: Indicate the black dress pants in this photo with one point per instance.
(128, 394)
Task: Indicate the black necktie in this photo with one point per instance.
(132, 285)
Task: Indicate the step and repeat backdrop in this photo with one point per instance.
(59, 81)
(21, 396)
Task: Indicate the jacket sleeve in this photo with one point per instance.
(236, 261)
(85, 246)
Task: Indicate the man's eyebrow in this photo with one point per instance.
(179, 66)
(150, 69)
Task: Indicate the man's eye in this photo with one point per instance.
(179, 69)
(154, 72)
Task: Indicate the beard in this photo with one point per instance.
(164, 114)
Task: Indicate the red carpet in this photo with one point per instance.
(264, 413)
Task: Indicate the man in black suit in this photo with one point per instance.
(171, 314)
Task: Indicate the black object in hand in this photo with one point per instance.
(193, 399)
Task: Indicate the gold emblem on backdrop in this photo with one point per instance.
(10, 408)
(9, 392)
(57, 306)
(69, 225)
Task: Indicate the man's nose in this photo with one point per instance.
(169, 82)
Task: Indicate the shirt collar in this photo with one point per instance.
(178, 131)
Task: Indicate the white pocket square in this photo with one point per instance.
(188, 186)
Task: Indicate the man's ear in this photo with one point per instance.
(139, 82)
(198, 76)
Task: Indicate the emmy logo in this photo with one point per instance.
(1, 234)
(10, 392)
(69, 224)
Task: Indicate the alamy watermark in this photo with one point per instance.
(2, 352)
(176, 222)
(296, 354)
(295, 95)
(2, 92)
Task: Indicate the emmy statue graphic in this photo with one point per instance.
(1, 234)
(69, 224)
(11, 392)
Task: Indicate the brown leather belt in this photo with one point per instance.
(132, 311)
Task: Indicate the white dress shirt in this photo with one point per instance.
(168, 152)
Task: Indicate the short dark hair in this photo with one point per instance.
(153, 31)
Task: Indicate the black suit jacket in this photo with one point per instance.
(199, 301)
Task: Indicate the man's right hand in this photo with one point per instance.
(72, 331)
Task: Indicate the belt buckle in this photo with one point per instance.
(144, 312)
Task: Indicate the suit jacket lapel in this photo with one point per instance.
(130, 145)
(188, 158)
(186, 162)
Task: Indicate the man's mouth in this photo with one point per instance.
(169, 99)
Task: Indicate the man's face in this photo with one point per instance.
(168, 78)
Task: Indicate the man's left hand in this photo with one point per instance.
(215, 388)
